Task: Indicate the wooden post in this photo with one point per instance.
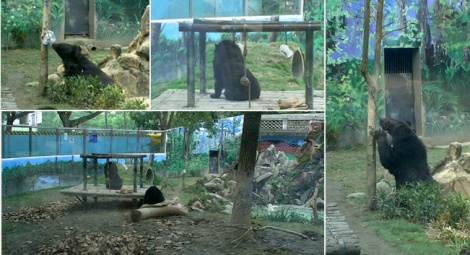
(43, 71)
(202, 63)
(135, 174)
(95, 169)
(190, 69)
(57, 133)
(309, 69)
(84, 171)
(30, 141)
(141, 171)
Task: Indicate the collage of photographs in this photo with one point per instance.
(235, 127)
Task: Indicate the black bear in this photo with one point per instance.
(113, 180)
(76, 64)
(228, 70)
(405, 158)
(153, 195)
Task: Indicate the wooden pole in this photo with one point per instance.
(309, 69)
(190, 69)
(247, 26)
(202, 63)
(43, 71)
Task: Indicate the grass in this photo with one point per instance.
(264, 61)
(349, 167)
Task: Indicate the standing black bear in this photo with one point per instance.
(228, 70)
(153, 195)
(76, 64)
(405, 158)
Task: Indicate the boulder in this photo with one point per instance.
(384, 186)
(455, 176)
(214, 185)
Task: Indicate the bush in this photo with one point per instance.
(86, 92)
(425, 203)
(418, 203)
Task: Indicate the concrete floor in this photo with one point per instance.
(176, 99)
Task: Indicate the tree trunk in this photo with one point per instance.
(241, 214)
(372, 81)
(272, 36)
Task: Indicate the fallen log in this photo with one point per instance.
(164, 209)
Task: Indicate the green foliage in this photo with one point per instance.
(167, 56)
(85, 92)
(419, 203)
(135, 104)
(444, 113)
(424, 203)
(22, 20)
(110, 97)
(119, 18)
(283, 215)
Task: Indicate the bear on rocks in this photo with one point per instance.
(153, 195)
(228, 70)
(75, 64)
(113, 180)
(406, 157)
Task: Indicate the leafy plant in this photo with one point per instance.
(85, 92)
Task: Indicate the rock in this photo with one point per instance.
(384, 186)
(357, 195)
(55, 78)
(221, 200)
(115, 51)
(198, 205)
(297, 202)
(214, 185)
(227, 209)
(32, 84)
(144, 50)
(128, 61)
(282, 159)
(230, 184)
(126, 81)
(268, 157)
(60, 70)
(454, 151)
(224, 176)
(455, 176)
(264, 177)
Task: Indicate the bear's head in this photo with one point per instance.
(396, 128)
(67, 51)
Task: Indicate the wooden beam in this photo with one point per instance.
(230, 26)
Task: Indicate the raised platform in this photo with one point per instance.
(176, 99)
(100, 190)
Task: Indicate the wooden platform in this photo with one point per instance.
(100, 190)
(176, 99)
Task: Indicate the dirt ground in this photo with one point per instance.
(369, 242)
(107, 224)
